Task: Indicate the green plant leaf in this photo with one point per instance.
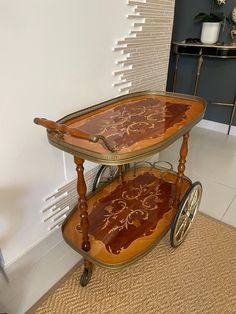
(212, 17)
(200, 16)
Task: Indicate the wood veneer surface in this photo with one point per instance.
(125, 220)
(134, 124)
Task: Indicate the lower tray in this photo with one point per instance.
(126, 219)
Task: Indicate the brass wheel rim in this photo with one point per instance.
(107, 174)
(187, 214)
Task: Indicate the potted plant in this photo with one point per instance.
(212, 22)
(233, 31)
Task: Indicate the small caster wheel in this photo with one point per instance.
(185, 214)
(85, 277)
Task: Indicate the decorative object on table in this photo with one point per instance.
(233, 31)
(234, 15)
(233, 35)
(212, 22)
(192, 41)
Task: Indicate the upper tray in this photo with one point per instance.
(137, 125)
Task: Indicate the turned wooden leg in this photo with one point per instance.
(181, 166)
(83, 207)
(84, 224)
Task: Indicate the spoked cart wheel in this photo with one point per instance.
(185, 214)
(106, 174)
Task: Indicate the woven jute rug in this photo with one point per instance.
(197, 277)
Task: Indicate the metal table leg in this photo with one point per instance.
(176, 71)
(199, 67)
(232, 116)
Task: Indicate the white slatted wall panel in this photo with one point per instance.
(145, 51)
(59, 204)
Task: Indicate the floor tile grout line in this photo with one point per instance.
(234, 198)
(215, 181)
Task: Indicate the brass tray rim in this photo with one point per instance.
(138, 256)
(123, 158)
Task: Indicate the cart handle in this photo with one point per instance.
(64, 129)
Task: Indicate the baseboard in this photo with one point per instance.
(216, 126)
(31, 275)
(35, 272)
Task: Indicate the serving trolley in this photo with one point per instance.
(124, 219)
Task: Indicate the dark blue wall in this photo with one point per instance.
(218, 76)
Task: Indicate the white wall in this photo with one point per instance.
(56, 57)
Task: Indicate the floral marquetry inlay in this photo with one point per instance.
(140, 120)
(131, 211)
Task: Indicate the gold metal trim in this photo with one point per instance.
(207, 56)
(187, 214)
(177, 45)
(119, 159)
(232, 116)
(96, 138)
(198, 74)
(176, 71)
(115, 158)
(200, 55)
(123, 97)
(137, 257)
(221, 104)
(118, 265)
(224, 47)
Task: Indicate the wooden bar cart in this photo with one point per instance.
(124, 219)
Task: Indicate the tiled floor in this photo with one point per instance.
(212, 161)
(35, 273)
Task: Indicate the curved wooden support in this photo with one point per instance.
(64, 129)
(181, 166)
(83, 207)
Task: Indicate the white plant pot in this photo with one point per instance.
(210, 32)
(234, 15)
